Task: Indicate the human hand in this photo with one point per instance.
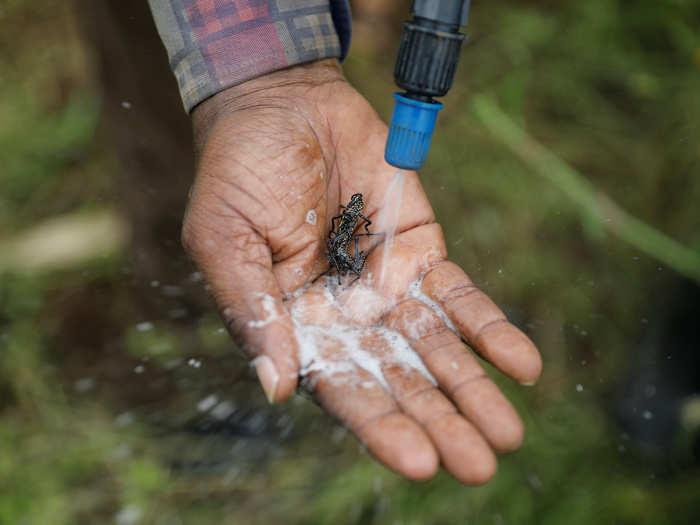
(277, 157)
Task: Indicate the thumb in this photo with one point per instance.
(238, 267)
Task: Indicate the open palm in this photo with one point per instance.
(277, 158)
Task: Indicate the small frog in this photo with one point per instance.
(339, 239)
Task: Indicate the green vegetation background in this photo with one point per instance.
(610, 87)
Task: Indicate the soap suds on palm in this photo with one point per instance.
(338, 349)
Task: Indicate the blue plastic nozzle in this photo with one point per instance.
(411, 129)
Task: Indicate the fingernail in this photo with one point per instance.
(268, 376)
(528, 383)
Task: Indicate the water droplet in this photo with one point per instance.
(579, 388)
(207, 403)
(128, 515)
(534, 481)
(223, 410)
(170, 290)
(388, 219)
(177, 313)
(126, 104)
(84, 384)
(311, 217)
(122, 451)
(338, 434)
(144, 327)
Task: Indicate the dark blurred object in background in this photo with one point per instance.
(664, 381)
(146, 126)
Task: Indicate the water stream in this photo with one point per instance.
(388, 219)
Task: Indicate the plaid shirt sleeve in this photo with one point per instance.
(216, 44)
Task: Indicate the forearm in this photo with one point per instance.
(214, 47)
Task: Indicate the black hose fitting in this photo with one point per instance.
(425, 68)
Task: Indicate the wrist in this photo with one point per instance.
(268, 91)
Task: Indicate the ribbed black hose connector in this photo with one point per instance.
(427, 59)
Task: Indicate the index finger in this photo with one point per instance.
(482, 324)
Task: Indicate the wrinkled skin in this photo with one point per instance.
(303, 139)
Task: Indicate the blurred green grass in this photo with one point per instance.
(611, 87)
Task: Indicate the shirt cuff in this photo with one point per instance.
(216, 44)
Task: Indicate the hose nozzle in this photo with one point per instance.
(410, 132)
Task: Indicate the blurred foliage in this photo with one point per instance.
(611, 87)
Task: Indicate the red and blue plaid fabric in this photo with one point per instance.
(215, 44)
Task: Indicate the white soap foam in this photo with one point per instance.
(311, 217)
(404, 354)
(268, 304)
(416, 292)
(338, 350)
(348, 353)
